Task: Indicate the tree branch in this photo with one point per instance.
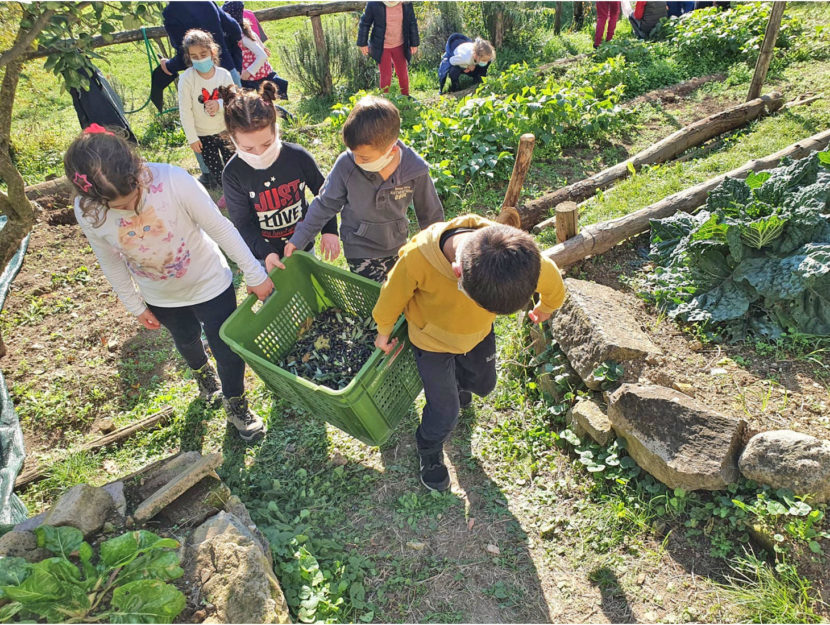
(26, 38)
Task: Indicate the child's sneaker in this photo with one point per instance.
(247, 423)
(465, 399)
(434, 474)
(208, 384)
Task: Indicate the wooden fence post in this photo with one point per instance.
(322, 51)
(524, 154)
(567, 221)
(765, 56)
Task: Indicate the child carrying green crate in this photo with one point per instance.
(373, 183)
(451, 281)
(157, 236)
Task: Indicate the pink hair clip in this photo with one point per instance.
(82, 182)
(96, 129)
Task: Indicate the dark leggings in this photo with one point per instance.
(216, 153)
(185, 323)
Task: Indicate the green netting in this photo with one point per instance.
(12, 509)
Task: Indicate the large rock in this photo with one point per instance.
(787, 459)
(592, 327)
(675, 438)
(22, 544)
(587, 417)
(224, 559)
(83, 506)
(177, 486)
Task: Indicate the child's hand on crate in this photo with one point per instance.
(262, 290)
(383, 343)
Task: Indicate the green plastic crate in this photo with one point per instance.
(381, 393)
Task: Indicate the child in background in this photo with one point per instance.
(393, 39)
(607, 13)
(199, 101)
(265, 183)
(451, 281)
(463, 55)
(373, 182)
(248, 15)
(255, 66)
(157, 235)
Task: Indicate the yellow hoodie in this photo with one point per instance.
(423, 285)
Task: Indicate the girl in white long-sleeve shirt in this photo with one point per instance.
(157, 236)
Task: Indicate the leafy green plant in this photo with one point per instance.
(127, 583)
(756, 260)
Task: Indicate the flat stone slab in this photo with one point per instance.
(588, 418)
(788, 459)
(675, 438)
(592, 326)
(157, 477)
(176, 487)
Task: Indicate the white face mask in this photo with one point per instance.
(377, 164)
(391, 4)
(264, 160)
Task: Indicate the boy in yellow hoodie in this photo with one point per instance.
(451, 280)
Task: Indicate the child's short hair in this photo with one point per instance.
(202, 38)
(247, 110)
(103, 166)
(500, 268)
(482, 47)
(373, 121)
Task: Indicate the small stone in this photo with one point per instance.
(417, 546)
(38, 346)
(696, 346)
(199, 616)
(339, 459)
(106, 425)
(17, 544)
(493, 549)
(650, 616)
(686, 389)
(588, 418)
(548, 530)
(112, 345)
(641, 579)
(718, 371)
(110, 466)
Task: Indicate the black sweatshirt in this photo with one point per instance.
(266, 204)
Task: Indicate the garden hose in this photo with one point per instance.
(150, 58)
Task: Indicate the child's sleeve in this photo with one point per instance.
(314, 179)
(394, 295)
(428, 207)
(639, 10)
(186, 99)
(366, 21)
(551, 288)
(200, 208)
(414, 36)
(245, 220)
(323, 208)
(114, 268)
(259, 54)
(462, 56)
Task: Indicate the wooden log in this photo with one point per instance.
(679, 90)
(322, 52)
(765, 55)
(263, 15)
(678, 142)
(567, 221)
(55, 187)
(558, 63)
(601, 237)
(118, 436)
(524, 155)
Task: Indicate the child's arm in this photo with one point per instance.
(114, 268)
(329, 241)
(243, 217)
(259, 56)
(428, 207)
(551, 289)
(394, 295)
(186, 99)
(201, 209)
(464, 59)
(326, 205)
(366, 21)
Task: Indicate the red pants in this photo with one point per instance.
(606, 12)
(396, 56)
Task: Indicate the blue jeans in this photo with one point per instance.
(185, 323)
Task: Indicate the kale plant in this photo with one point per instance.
(756, 260)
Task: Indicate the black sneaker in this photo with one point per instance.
(247, 423)
(465, 399)
(208, 384)
(434, 474)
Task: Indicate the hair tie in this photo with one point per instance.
(96, 129)
(82, 182)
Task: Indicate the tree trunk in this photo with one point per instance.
(322, 52)
(498, 28)
(764, 58)
(557, 19)
(579, 15)
(694, 134)
(601, 237)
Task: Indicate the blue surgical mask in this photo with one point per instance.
(483, 63)
(203, 65)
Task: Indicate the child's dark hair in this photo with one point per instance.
(202, 38)
(373, 121)
(500, 268)
(103, 166)
(247, 110)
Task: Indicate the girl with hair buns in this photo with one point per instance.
(265, 182)
(157, 235)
